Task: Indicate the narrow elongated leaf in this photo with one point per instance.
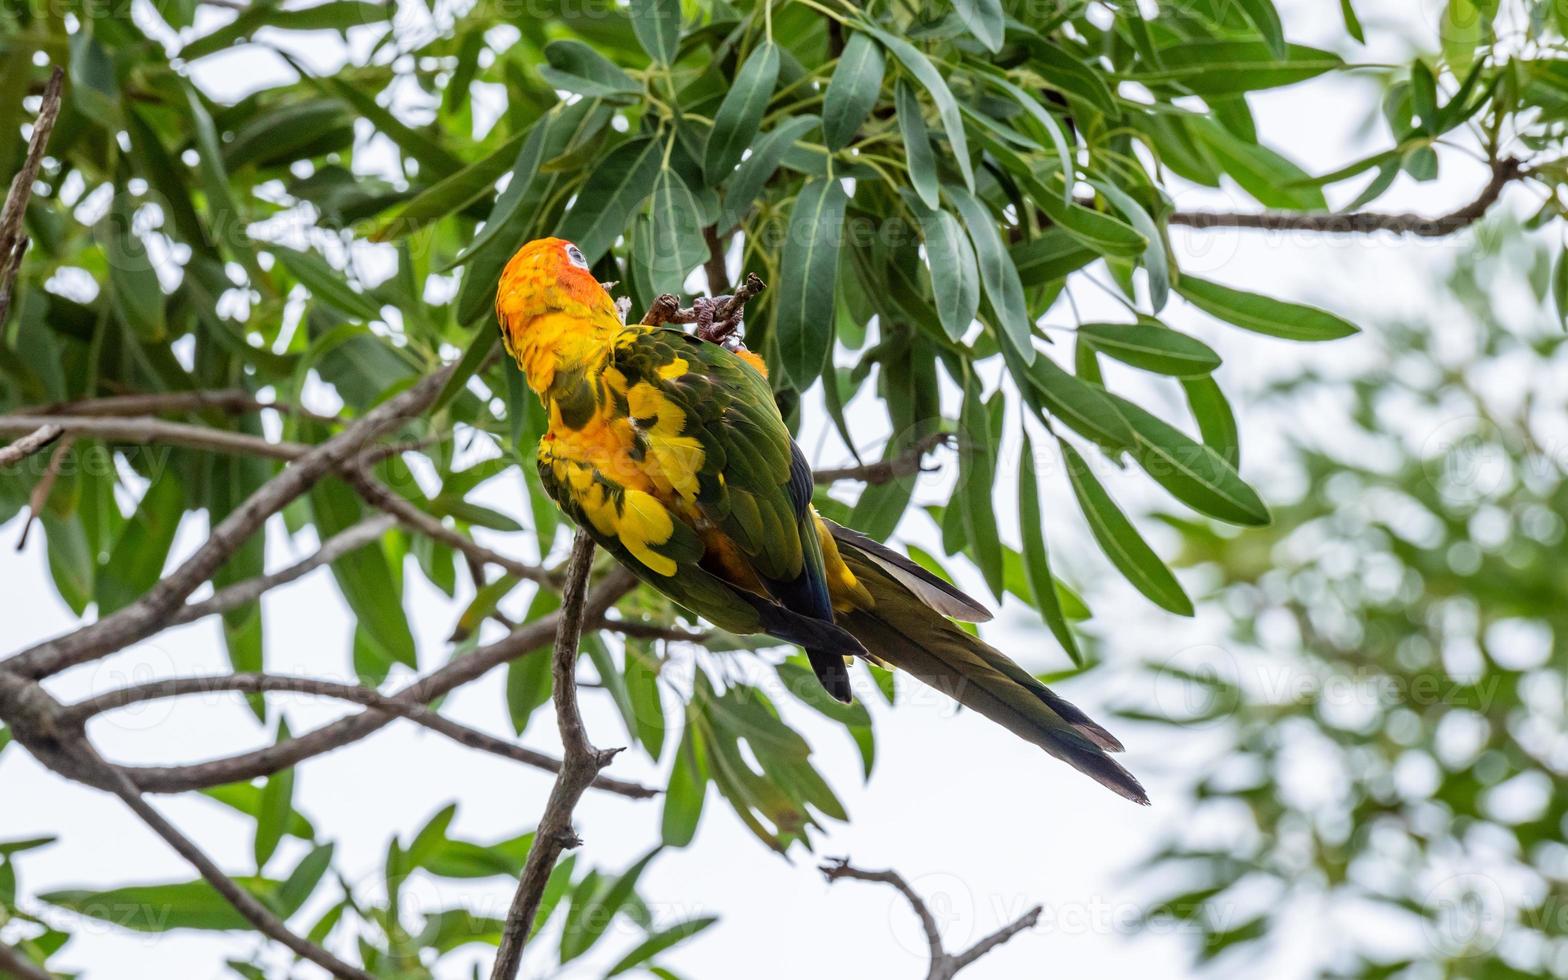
(614, 191)
(977, 472)
(1216, 67)
(576, 67)
(368, 582)
(450, 194)
(1266, 19)
(1194, 473)
(809, 271)
(748, 180)
(1152, 347)
(739, 115)
(1120, 541)
(642, 690)
(1261, 314)
(659, 942)
(676, 233)
(1461, 30)
(1352, 22)
(1083, 407)
(853, 90)
(432, 156)
(275, 807)
(657, 24)
(1266, 175)
(326, 284)
(918, 156)
(985, 20)
(1216, 421)
(1105, 234)
(688, 787)
(1560, 287)
(955, 282)
(946, 106)
(1037, 561)
(997, 273)
(136, 562)
(1155, 261)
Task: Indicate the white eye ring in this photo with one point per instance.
(575, 256)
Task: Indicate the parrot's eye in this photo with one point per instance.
(575, 256)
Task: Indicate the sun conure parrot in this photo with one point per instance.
(670, 452)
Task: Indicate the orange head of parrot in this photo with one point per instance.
(552, 310)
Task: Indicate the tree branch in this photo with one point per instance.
(230, 400)
(334, 735)
(149, 613)
(78, 713)
(145, 429)
(943, 964)
(1504, 172)
(31, 443)
(907, 463)
(12, 242)
(581, 764)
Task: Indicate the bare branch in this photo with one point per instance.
(31, 443)
(885, 471)
(78, 714)
(378, 495)
(149, 613)
(145, 429)
(229, 400)
(271, 758)
(238, 594)
(12, 242)
(1504, 172)
(44, 487)
(581, 764)
(652, 631)
(944, 966)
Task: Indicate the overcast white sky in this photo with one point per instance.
(981, 823)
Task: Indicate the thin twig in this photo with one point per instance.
(31, 443)
(229, 400)
(12, 242)
(79, 712)
(943, 965)
(149, 613)
(349, 539)
(39, 497)
(146, 429)
(1504, 172)
(907, 463)
(581, 763)
(334, 735)
(652, 631)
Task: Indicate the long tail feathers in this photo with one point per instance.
(907, 632)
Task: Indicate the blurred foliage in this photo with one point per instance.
(919, 184)
(1387, 719)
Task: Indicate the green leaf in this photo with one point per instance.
(1121, 542)
(1155, 261)
(677, 243)
(946, 106)
(1037, 562)
(1193, 473)
(1266, 19)
(1215, 67)
(977, 472)
(1082, 407)
(576, 67)
(1262, 314)
(1352, 22)
(450, 194)
(642, 690)
(1216, 421)
(1152, 346)
(326, 284)
(613, 193)
(659, 942)
(740, 114)
(955, 282)
(657, 24)
(918, 156)
(275, 807)
(94, 89)
(584, 930)
(159, 908)
(997, 273)
(853, 90)
(1267, 176)
(301, 883)
(368, 582)
(809, 270)
(1560, 287)
(1105, 234)
(528, 678)
(748, 180)
(133, 282)
(1064, 71)
(136, 561)
(432, 156)
(1461, 30)
(688, 786)
(985, 20)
